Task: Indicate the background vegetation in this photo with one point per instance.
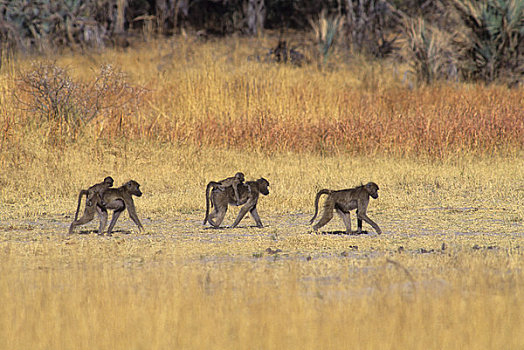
(211, 95)
(444, 39)
(318, 106)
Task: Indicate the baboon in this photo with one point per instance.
(343, 201)
(94, 193)
(234, 181)
(249, 193)
(283, 54)
(116, 199)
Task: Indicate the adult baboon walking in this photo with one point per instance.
(94, 194)
(249, 193)
(343, 201)
(116, 199)
(233, 182)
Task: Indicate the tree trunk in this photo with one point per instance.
(256, 16)
(120, 15)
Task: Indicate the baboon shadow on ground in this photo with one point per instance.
(87, 232)
(339, 232)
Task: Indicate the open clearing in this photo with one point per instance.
(439, 277)
(448, 272)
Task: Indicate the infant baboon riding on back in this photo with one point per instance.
(94, 194)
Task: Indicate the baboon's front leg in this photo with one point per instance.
(132, 214)
(359, 224)
(243, 211)
(371, 222)
(256, 217)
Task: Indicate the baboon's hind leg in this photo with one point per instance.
(119, 206)
(346, 218)
(102, 216)
(327, 215)
(219, 214)
(116, 214)
(89, 215)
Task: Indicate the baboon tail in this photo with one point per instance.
(320, 193)
(208, 187)
(79, 201)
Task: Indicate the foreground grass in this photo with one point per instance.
(186, 287)
(447, 272)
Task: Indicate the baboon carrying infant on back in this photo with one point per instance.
(104, 198)
(343, 201)
(248, 195)
(222, 185)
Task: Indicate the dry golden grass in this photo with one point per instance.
(454, 181)
(211, 95)
(185, 287)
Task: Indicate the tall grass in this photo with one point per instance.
(210, 95)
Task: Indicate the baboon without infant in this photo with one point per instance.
(343, 201)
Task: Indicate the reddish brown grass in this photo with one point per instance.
(353, 109)
(433, 121)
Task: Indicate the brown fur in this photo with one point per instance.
(249, 193)
(343, 201)
(116, 199)
(233, 182)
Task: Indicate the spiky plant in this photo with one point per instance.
(326, 29)
(429, 52)
(496, 37)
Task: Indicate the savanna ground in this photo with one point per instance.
(446, 274)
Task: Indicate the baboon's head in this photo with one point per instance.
(239, 176)
(372, 189)
(263, 185)
(109, 181)
(133, 188)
